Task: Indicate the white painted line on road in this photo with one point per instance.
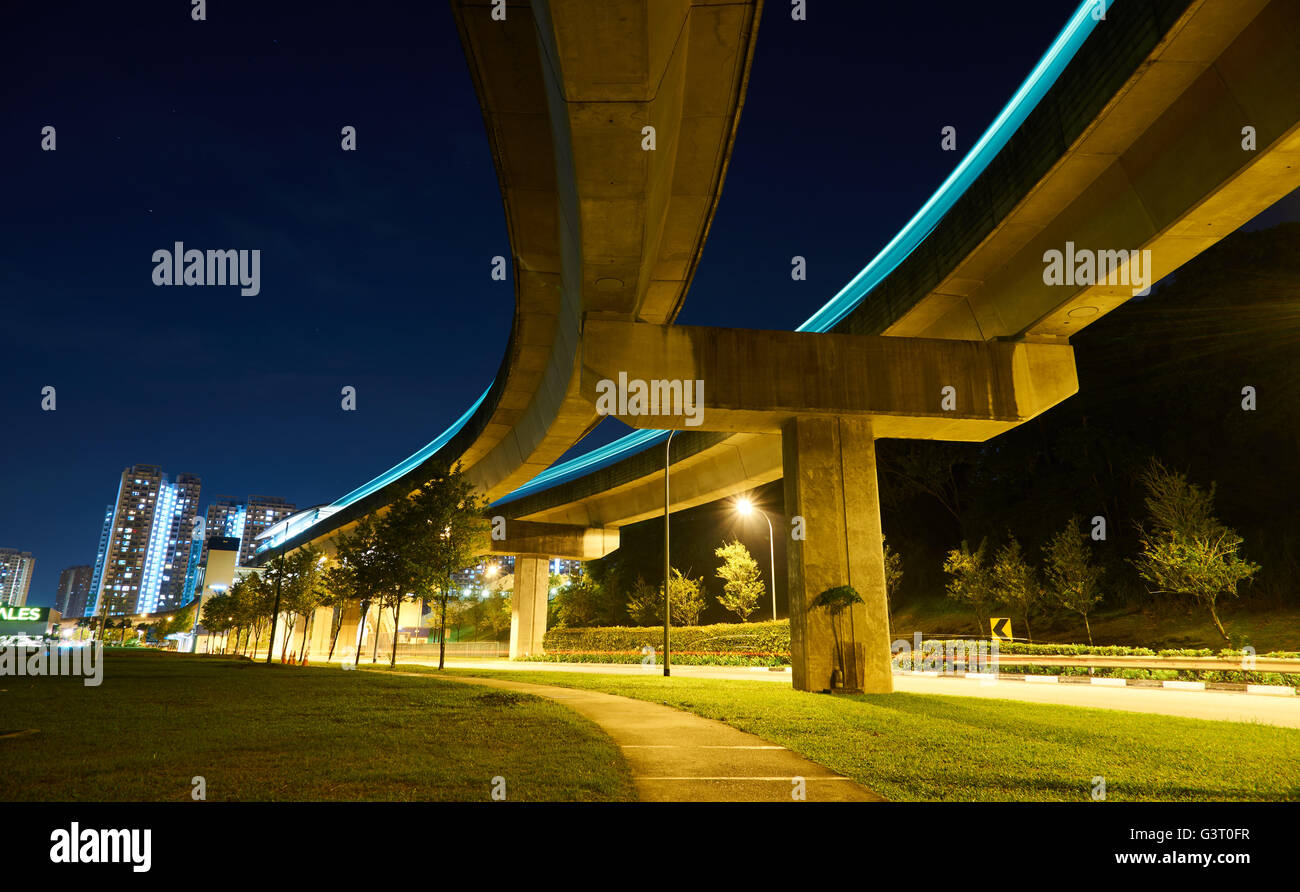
(1040, 679)
(1108, 682)
(1184, 685)
(1271, 690)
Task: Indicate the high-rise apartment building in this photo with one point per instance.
(15, 576)
(263, 512)
(101, 555)
(244, 521)
(74, 590)
(149, 563)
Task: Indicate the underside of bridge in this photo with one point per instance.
(611, 124)
(1138, 148)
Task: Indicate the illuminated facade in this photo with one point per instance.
(244, 521)
(74, 590)
(149, 562)
(15, 576)
(101, 555)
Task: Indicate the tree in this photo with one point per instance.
(1187, 551)
(686, 600)
(893, 575)
(299, 577)
(836, 601)
(579, 604)
(218, 616)
(442, 529)
(490, 615)
(595, 597)
(972, 580)
(340, 590)
(1016, 583)
(743, 585)
(397, 567)
(1072, 579)
(364, 553)
(180, 621)
(253, 601)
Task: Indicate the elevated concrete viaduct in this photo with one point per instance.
(1154, 131)
(1140, 145)
(602, 221)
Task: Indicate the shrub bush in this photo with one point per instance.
(762, 644)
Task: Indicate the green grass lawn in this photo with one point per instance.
(928, 747)
(258, 732)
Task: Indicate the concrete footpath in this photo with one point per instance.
(679, 757)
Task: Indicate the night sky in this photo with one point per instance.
(375, 264)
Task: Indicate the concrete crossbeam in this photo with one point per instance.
(552, 540)
(915, 388)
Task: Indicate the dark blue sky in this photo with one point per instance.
(375, 263)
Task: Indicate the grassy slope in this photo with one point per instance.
(260, 732)
(927, 747)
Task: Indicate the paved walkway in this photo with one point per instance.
(679, 757)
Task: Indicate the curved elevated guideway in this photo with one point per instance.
(1125, 142)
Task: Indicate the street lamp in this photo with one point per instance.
(275, 613)
(746, 508)
(667, 568)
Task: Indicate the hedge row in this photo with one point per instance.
(1287, 679)
(764, 644)
(768, 644)
(1086, 650)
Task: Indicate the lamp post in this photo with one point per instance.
(746, 508)
(667, 566)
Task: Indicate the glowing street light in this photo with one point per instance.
(745, 507)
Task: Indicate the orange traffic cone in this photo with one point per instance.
(304, 659)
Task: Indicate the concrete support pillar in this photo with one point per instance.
(347, 643)
(319, 645)
(830, 484)
(528, 606)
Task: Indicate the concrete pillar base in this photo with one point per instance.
(831, 495)
(528, 606)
